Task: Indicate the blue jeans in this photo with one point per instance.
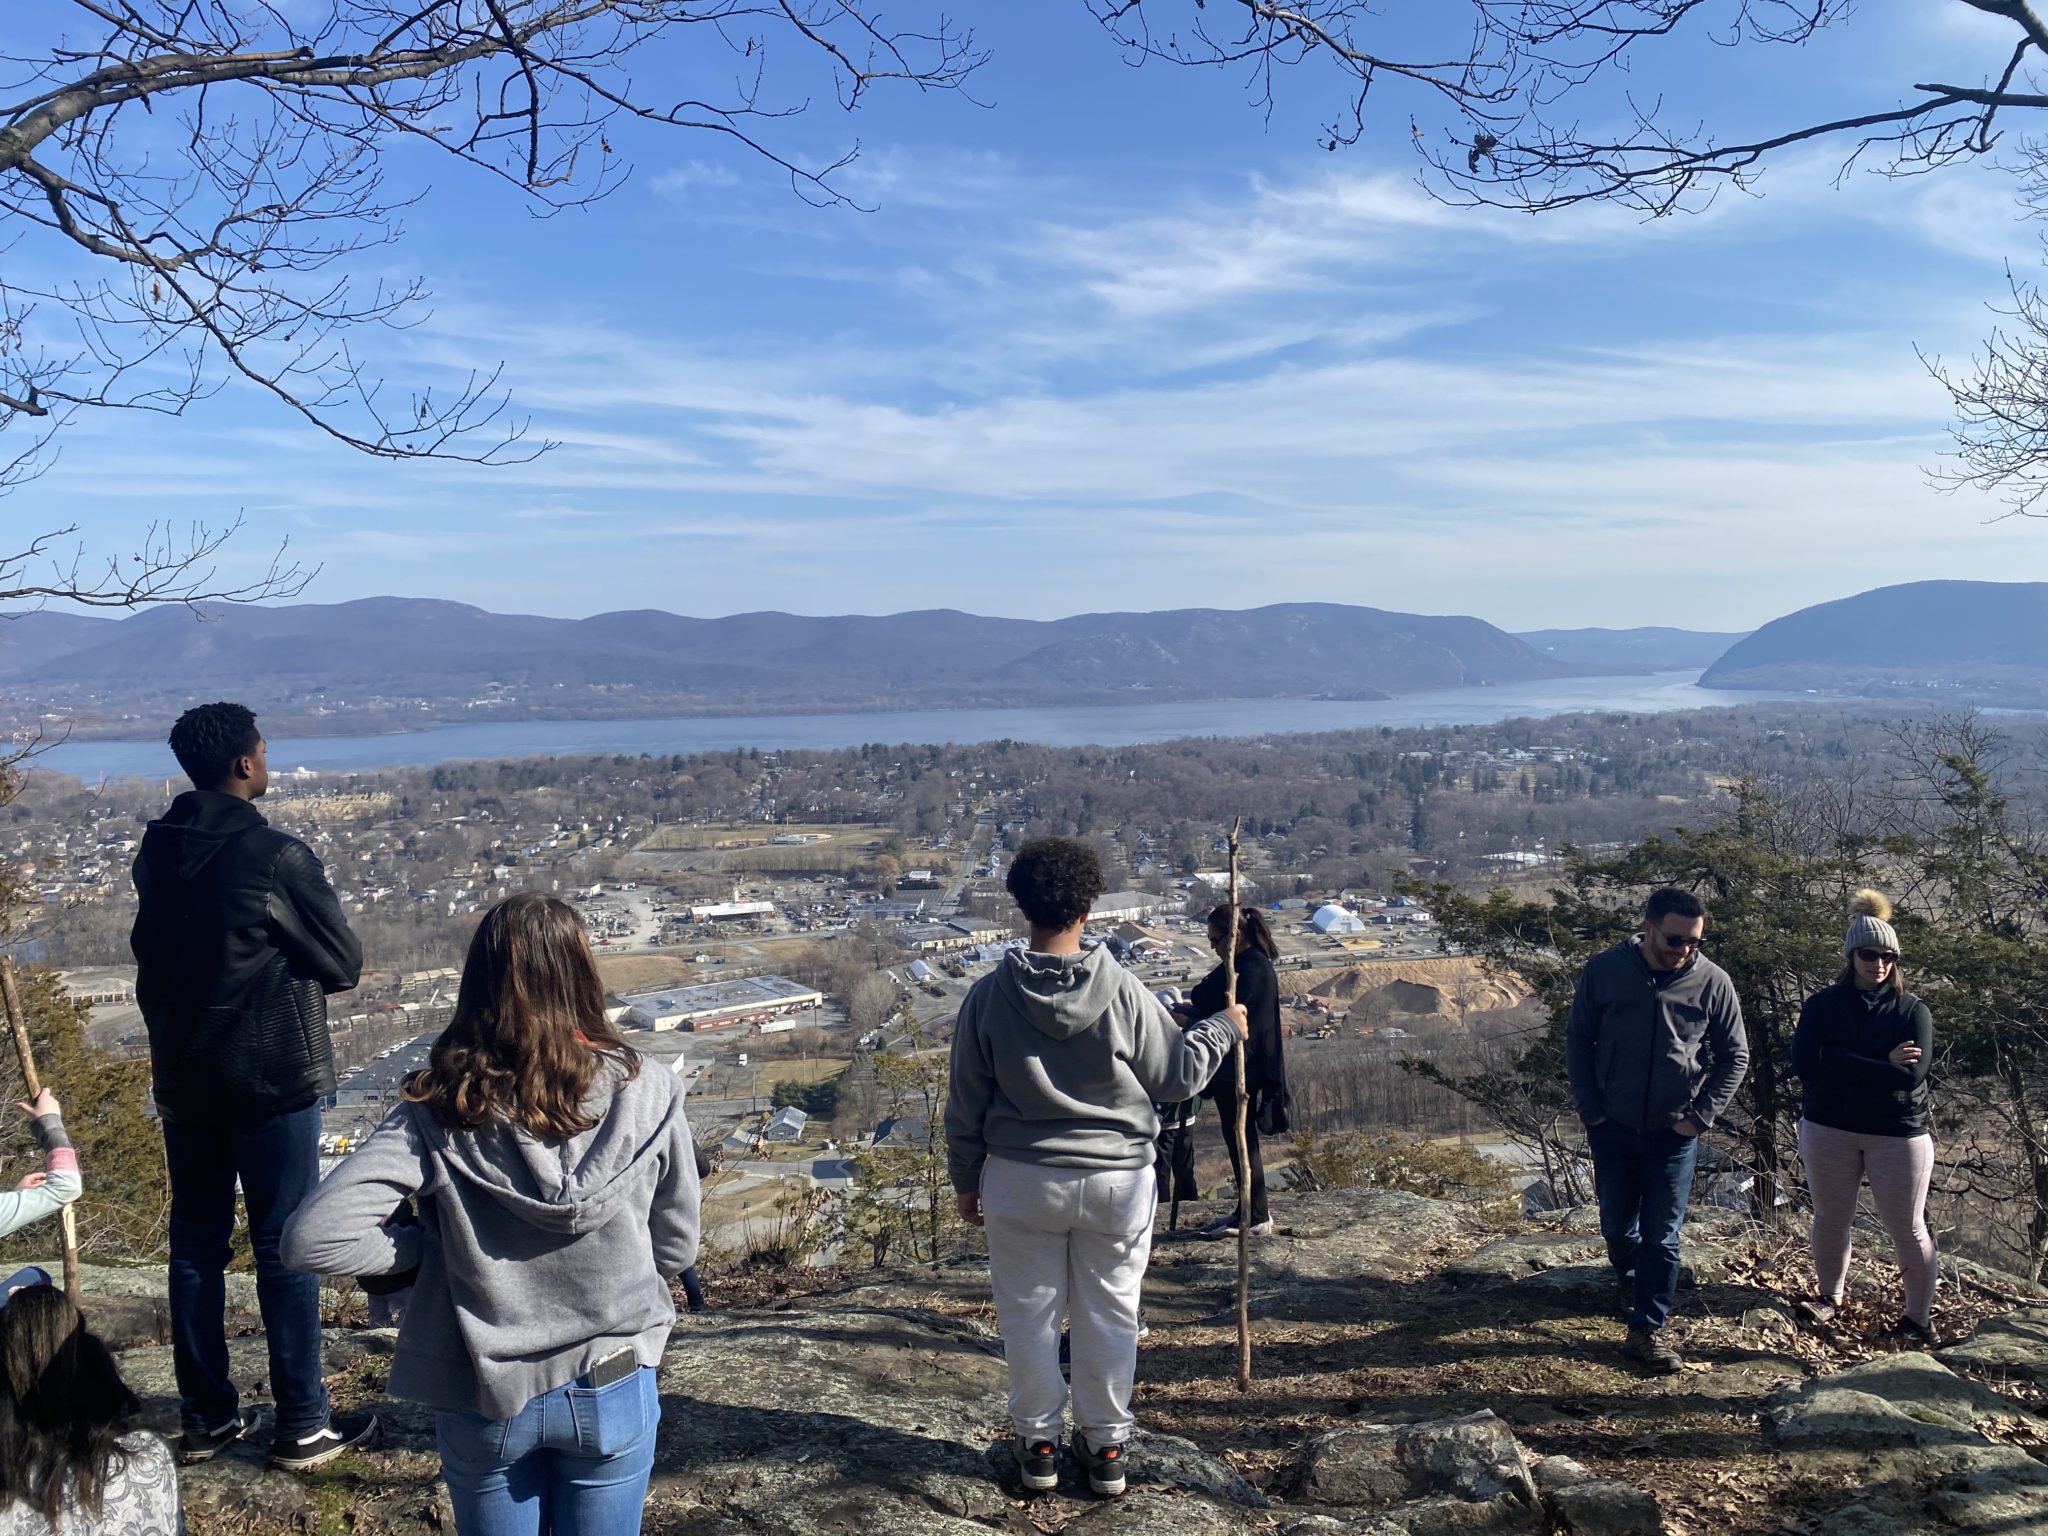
(1643, 1180)
(278, 1163)
(22, 1279)
(574, 1461)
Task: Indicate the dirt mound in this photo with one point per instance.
(1452, 984)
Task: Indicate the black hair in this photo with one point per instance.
(209, 737)
(1671, 901)
(1251, 926)
(63, 1407)
(1055, 881)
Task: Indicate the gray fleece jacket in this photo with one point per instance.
(1057, 1060)
(1647, 1048)
(536, 1258)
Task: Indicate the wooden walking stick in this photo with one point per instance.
(67, 1219)
(1244, 1157)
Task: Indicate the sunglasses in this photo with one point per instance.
(1873, 956)
(1678, 940)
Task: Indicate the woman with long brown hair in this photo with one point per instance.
(557, 1192)
(73, 1456)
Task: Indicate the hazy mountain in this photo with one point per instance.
(1632, 650)
(31, 640)
(358, 663)
(1975, 642)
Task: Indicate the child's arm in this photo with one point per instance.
(46, 1193)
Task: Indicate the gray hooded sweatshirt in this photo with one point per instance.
(536, 1258)
(1057, 1060)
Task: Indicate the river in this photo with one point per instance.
(1094, 725)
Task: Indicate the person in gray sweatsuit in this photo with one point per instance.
(557, 1190)
(1058, 1057)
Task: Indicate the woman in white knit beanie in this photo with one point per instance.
(1861, 1051)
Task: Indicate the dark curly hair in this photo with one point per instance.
(209, 737)
(1055, 881)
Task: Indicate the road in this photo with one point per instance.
(948, 905)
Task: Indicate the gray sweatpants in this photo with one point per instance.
(1068, 1243)
(1899, 1168)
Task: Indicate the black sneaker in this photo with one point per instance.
(342, 1432)
(1105, 1467)
(1038, 1463)
(1910, 1335)
(195, 1446)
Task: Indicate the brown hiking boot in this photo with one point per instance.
(1647, 1348)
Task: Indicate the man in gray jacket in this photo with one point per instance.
(1655, 1049)
(1058, 1057)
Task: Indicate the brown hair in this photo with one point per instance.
(63, 1407)
(529, 1026)
(1895, 983)
(1251, 929)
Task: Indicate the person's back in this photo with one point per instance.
(238, 939)
(1057, 1059)
(557, 1191)
(72, 1460)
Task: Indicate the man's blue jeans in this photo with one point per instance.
(278, 1163)
(1643, 1180)
(574, 1462)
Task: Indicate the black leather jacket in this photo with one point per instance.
(238, 940)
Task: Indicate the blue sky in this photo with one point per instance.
(1111, 339)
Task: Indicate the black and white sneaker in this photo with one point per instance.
(342, 1432)
(1038, 1463)
(195, 1446)
(1105, 1467)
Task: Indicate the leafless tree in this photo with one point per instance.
(1539, 105)
(186, 186)
(1511, 73)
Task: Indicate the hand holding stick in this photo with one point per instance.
(1244, 1158)
(67, 1219)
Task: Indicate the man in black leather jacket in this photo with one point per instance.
(238, 940)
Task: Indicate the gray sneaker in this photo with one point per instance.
(1105, 1467)
(1647, 1348)
(1038, 1463)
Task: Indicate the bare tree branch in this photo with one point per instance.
(138, 279)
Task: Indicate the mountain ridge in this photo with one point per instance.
(1965, 642)
(373, 660)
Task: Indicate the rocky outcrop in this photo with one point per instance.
(1921, 1442)
(2014, 1347)
(1413, 1362)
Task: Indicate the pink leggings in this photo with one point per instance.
(1899, 1169)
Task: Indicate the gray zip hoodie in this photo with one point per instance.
(536, 1258)
(1057, 1060)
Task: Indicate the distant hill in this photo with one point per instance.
(386, 661)
(1972, 642)
(1632, 650)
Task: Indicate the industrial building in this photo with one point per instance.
(720, 1004)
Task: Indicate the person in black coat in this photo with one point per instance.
(1265, 1064)
(1861, 1050)
(239, 940)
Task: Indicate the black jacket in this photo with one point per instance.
(1841, 1051)
(1647, 1050)
(1258, 988)
(238, 938)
